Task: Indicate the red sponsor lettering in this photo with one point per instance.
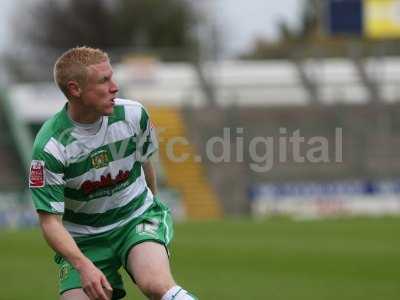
(105, 181)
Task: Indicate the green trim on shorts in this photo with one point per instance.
(109, 251)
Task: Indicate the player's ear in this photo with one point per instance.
(74, 89)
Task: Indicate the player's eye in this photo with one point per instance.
(104, 79)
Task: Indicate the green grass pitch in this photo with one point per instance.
(278, 259)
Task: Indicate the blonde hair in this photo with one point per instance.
(72, 65)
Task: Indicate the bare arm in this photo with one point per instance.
(150, 176)
(93, 280)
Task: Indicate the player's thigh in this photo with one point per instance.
(79, 294)
(148, 263)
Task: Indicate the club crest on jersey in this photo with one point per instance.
(36, 174)
(100, 159)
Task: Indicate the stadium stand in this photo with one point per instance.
(12, 175)
(253, 83)
(261, 97)
(188, 177)
(363, 155)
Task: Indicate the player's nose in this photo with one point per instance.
(114, 87)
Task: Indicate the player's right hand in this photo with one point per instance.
(94, 283)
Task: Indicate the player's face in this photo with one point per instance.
(100, 90)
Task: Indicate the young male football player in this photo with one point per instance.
(94, 187)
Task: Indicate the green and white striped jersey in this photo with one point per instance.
(96, 181)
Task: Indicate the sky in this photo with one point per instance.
(242, 21)
(239, 22)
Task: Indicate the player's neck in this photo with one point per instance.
(81, 115)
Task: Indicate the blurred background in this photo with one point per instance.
(278, 129)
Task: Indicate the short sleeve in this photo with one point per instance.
(46, 182)
(148, 143)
